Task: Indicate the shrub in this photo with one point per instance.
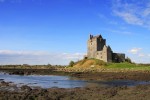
(128, 60)
(71, 63)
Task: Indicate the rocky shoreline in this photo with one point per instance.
(136, 75)
(86, 93)
(90, 92)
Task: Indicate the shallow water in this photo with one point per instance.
(44, 81)
(123, 82)
(49, 81)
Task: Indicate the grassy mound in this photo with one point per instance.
(89, 63)
(101, 66)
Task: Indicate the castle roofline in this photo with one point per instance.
(97, 36)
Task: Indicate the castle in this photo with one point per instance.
(97, 49)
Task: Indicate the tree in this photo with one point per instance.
(71, 63)
(128, 60)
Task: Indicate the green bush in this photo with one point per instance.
(128, 60)
(71, 63)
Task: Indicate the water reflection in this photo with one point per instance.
(49, 81)
(123, 82)
(44, 81)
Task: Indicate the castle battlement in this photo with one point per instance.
(97, 49)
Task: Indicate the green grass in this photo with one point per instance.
(85, 65)
(121, 65)
(100, 62)
(100, 65)
(126, 65)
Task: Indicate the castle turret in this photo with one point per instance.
(95, 43)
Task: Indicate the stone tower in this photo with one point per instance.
(97, 49)
(95, 44)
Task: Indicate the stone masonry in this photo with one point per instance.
(97, 49)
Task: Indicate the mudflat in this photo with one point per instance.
(140, 92)
(90, 92)
(130, 75)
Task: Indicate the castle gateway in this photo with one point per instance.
(97, 49)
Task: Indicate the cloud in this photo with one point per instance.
(133, 11)
(138, 55)
(141, 55)
(73, 56)
(134, 50)
(37, 57)
(140, 58)
(120, 32)
(130, 18)
(11, 52)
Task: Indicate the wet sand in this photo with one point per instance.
(91, 92)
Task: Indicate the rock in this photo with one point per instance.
(3, 83)
(1, 79)
(26, 88)
(55, 82)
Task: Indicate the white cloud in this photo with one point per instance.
(138, 55)
(11, 52)
(140, 58)
(141, 55)
(146, 12)
(134, 50)
(130, 18)
(72, 56)
(37, 57)
(133, 12)
(120, 32)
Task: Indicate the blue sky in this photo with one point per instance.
(56, 31)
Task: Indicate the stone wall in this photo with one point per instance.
(92, 48)
(97, 49)
(118, 57)
(109, 54)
